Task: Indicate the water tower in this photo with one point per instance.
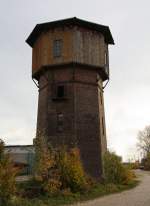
(70, 62)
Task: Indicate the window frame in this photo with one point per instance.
(57, 48)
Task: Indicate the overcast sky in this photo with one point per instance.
(127, 96)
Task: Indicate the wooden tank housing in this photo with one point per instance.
(83, 43)
(70, 62)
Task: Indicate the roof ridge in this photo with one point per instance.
(39, 28)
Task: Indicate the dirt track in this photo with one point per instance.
(139, 196)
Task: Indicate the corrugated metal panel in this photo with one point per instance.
(22, 155)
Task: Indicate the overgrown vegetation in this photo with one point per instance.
(59, 178)
(115, 171)
(58, 170)
(7, 177)
(66, 197)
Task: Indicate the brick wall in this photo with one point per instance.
(82, 110)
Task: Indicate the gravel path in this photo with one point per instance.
(139, 196)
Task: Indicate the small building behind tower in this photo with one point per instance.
(70, 62)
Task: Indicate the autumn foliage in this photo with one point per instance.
(58, 169)
(7, 177)
(71, 171)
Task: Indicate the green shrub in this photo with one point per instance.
(115, 171)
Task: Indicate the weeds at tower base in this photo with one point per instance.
(59, 178)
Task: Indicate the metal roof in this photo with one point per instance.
(39, 28)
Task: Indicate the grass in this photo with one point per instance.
(70, 198)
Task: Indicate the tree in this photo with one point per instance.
(144, 140)
(144, 146)
(7, 176)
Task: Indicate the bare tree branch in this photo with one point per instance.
(144, 140)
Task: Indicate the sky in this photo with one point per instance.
(127, 96)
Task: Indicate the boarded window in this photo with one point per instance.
(57, 48)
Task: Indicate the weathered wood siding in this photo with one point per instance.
(43, 48)
(79, 45)
(89, 47)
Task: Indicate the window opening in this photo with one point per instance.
(60, 91)
(57, 48)
(60, 118)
